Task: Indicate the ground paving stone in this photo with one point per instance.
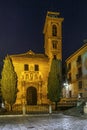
(48, 122)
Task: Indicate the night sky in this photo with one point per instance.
(22, 22)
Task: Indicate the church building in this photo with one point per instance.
(33, 69)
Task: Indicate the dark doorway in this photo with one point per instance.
(31, 96)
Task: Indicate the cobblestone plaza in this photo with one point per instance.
(43, 122)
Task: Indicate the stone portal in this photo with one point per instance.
(31, 96)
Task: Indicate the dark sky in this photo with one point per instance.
(22, 22)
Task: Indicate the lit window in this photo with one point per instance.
(54, 30)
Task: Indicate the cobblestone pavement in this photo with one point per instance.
(43, 122)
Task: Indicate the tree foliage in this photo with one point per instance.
(54, 81)
(9, 82)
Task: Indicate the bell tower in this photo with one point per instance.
(53, 35)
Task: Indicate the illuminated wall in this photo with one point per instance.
(31, 81)
(84, 64)
(74, 70)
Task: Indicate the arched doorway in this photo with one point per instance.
(31, 96)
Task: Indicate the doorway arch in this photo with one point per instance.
(31, 96)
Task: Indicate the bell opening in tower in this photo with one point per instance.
(54, 57)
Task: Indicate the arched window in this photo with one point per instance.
(54, 30)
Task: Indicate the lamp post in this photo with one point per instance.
(66, 85)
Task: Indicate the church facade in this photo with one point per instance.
(33, 69)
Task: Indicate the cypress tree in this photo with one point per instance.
(54, 82)
(9, 82)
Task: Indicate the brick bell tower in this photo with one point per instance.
(53, 35)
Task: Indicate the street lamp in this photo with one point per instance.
(66, 85)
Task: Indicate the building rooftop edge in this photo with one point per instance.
(76, 51)
(30, 54)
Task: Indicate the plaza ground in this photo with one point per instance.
(43, 122)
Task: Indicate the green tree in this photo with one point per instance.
(9, 82)
(54, 82)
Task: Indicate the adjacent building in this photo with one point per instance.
(32, 69)
(77, 74)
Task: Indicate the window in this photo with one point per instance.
(54, 30)
(79, 58)
(36, 68)
(80, 71)
(54, 44)
(26, 67)
(69, 79)
(54, 57)
(80, 84)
